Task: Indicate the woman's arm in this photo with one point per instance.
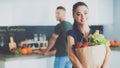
(107, 60)
(71, 54)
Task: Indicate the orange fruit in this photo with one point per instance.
(116, 43)
(23, 51)
(29, 50)
(111, 42)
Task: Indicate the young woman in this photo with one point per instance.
(81, 29)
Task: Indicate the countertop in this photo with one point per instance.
(37, 55)
(6, 57)
(117, 48)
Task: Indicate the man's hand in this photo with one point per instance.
(50, 45)
(45, 53)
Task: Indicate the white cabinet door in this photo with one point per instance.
(2, 64)
(31, 63)
(47, 62)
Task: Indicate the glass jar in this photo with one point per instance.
(35, 37)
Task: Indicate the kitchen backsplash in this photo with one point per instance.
(21, 33)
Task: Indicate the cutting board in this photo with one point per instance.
(12, 44)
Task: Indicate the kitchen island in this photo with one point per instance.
(26, 61)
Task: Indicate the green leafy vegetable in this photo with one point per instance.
(98, 39)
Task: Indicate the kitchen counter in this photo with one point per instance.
(115, 48)
(36, 55)
(4, 57)
(40, 61)
(26, 61)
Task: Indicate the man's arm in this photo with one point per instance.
(51, 43)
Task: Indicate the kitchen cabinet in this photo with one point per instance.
(30, 61)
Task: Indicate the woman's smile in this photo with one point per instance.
(81, 14)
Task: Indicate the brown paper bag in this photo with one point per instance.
(92, 56)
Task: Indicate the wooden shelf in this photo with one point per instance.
(35, 44)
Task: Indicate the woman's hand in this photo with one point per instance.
(107, 59)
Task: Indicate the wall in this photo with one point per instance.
(23, 12)
(42, 12)
(32, 12)
(112, 31)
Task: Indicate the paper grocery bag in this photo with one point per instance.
(91, 56)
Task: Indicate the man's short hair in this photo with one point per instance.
(61, 7)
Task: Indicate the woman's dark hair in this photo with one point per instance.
(78, 4)
(61, 7)
(75, 26)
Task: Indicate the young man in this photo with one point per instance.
(59, 40)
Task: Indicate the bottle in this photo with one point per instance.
(44, 37)
(35, 37)
(40, 37)
(2, 41)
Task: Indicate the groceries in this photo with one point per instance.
(92, 56)
(114, 43)
(93, 40)
(91, 53)
(15, 51)
(18, 51)
(98, 39)
(26, 50)
(22, 50)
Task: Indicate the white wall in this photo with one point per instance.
(24, 12)
(32, 12)
(113, 31)
(42, 12)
